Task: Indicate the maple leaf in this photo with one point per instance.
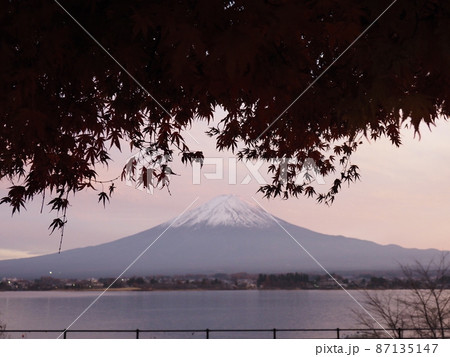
(103, 197)
(57, 223)
(61, 116)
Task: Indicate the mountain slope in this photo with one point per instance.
(223, 235)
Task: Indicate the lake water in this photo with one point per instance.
(248, 309)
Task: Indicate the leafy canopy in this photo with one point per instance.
(64, 102)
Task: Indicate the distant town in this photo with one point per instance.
(239, 281)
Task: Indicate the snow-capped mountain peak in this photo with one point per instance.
(226, 210)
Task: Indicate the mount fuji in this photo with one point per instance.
(224, 235)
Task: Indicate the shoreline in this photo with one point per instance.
(131, 289)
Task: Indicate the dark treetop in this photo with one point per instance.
(64, 101)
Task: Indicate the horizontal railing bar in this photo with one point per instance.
(135, 330)
(232, 330)
(31, 330)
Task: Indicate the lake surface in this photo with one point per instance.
(248, 309)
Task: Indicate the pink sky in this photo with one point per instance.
(403, 199)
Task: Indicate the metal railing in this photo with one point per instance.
(399, 333)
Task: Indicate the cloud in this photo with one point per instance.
(14, 254)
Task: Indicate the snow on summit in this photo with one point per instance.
(226, 210)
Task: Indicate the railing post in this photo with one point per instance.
(338, 334)
(274, 333)
(137, 334)
(65, 334)
(399, 332)
(207, 333)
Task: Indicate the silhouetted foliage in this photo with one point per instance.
(282, 281)
(377, 283)
(423, 305)
(65, 102)
(139, 281)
